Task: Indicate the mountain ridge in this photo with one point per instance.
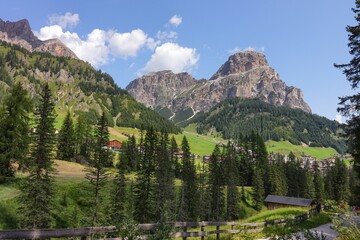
(20, 33)
(245, 74)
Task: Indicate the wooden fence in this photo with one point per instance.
(183, 229)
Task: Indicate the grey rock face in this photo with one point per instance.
(20, 33)
(245, 74)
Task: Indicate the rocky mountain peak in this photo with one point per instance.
(158, 88)
(20, 29)
(241, 62)
(245, 74)
(20, 33)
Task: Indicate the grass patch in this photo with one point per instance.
(276, 214)
(8, 192)
(285, 147)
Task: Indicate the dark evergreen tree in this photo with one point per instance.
(66, 139)
(258, 188)
(174, 158)
(318, 183)
(130, 155)
(216, 185)
(336, 182)
(277, 178)
(96, 172)
(232, 194)
(351, 104)
(37, 192)
(189, 198)
(83, 139)
(309, 191)
(144, 185)
(14, 130)
(164, 179)
(118, 213)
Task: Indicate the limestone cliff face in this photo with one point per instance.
(160, 88)
(20, 33)
(246, 74)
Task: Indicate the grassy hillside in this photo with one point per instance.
(285, 147)
(240, 117)
(77, 87)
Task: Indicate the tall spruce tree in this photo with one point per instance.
(37, 192)
(14, 130)
(119, 199)
(96, 172)
(189, 190)
(174, 157)
(66, 139)
(232, 193)
(318, 183)
(258, 187)
(351, 104)
(277, 178)
(131, 155)
(216, 185)
(144, 183)
(83, 139)
(164, 178)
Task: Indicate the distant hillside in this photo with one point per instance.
(235, 117)
(76, 86)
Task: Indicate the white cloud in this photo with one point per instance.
(175, 20)
(338, 118)
(167, 36)
(171, 56)
(65, 21)
(127, 44)
(99, 45)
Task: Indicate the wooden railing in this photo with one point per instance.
(182, 229)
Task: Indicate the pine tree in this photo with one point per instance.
(144, 184)
(189, 190)
(83, 139)
(174, 158)
(37, 192)
(131, 155)
(66, 139)
(351, 104)
(277, 178)
(258, 188)
(216, 185)
(96, 172)
(232, 199)
(14, 129)
(309, 186)
(118, 212)
(164, 178)
(318, 183)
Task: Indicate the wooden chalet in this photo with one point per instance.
(114, 145)
(273, 202)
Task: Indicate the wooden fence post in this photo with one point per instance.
(217, 234)
(184, 230)
(202, 229)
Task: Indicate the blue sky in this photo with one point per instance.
(301, 39)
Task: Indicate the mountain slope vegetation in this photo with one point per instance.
(236, 117)
(78, 88)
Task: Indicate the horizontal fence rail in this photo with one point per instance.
(149, 229)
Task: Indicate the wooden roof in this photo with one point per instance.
(303, 202)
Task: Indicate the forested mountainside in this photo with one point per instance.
(77, 87)
(235, 117)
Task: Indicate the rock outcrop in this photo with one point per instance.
(246, 74)
(20, 33)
